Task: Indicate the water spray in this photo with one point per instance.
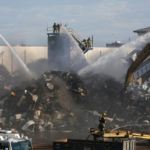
(107, 62)
(17, 56)
(130, 125)
(75, 49)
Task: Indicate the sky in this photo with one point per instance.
(107, 20)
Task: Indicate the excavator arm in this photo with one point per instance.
(142, 56)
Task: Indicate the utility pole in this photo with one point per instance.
(25, 56)
(92, 41)
(129, 39)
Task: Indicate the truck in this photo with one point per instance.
(14, 141)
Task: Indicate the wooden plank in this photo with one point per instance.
(114, 135)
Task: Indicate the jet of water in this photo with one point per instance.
(79, 60)
(110, 63)
(17, 57)
(130, 125)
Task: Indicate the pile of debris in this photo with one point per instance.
(44, 104)
(64, 101)
(6, 81)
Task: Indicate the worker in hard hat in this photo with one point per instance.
(102, 123)
(89, 42)
(86, 43)
(54, 27)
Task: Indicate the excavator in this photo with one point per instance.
(141, 57)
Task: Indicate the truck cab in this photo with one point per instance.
(13, 141)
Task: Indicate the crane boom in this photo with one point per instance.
(142, 56)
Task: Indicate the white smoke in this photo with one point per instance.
(16, 56)
(111, 63)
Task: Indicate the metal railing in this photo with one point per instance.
(71, 31)
(75, 34)
(51, 30)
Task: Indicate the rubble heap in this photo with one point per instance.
(64, 101)
(5, 81)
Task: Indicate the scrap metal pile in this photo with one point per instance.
(64, 101)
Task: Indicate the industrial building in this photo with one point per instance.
(142, 31)
(115, 44)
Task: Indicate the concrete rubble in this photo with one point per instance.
(64, 101)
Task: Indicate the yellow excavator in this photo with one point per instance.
(142, 56)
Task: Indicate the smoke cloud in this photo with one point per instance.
(111, 63)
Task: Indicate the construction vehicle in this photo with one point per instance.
(126, 142)
(13, 141)
(116, 140)
(142, 56)
(70, 144)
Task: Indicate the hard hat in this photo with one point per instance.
(104, 114)
(12, 93)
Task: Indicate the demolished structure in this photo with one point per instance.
(64, 101)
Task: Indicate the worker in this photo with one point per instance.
(86, 43)
(83, 44)
(58, 28)
(89, 42)
(102, 122)
(54, 28)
